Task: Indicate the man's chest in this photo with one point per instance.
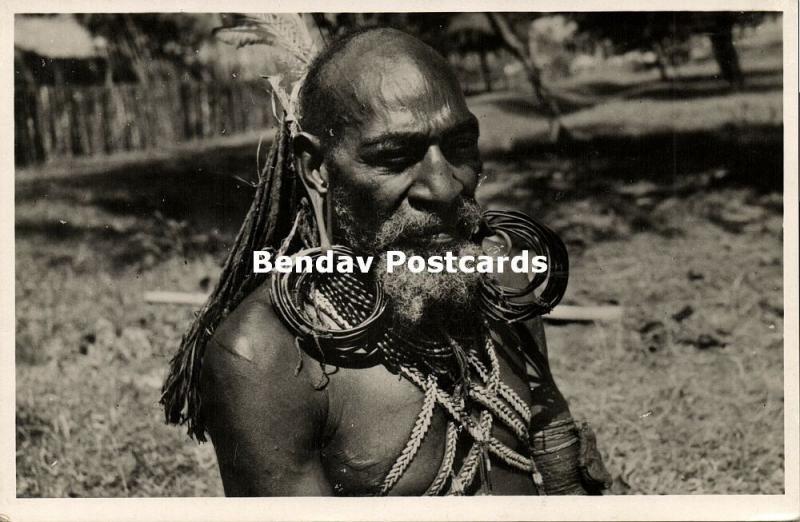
(386, 434)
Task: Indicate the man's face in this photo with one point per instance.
(412, 152)
(404, 176)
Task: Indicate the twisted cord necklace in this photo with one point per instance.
(363, 336)
(482, 393)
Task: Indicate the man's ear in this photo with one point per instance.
(311, 168)
(309, 162)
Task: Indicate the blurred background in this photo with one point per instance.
(652, 142)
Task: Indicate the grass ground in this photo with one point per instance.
(671, 206)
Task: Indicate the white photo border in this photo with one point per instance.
(642, 507)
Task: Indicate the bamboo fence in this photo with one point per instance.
(56, 122)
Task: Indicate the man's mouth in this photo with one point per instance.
(442, 238)
(435, 239)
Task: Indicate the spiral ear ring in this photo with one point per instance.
(506, 304)
(309, 303)
(330, 313)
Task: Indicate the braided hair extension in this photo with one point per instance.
(268, 221)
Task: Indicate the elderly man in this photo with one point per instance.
(387, 139)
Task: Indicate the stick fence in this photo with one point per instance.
(54, 122)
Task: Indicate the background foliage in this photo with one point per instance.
(668, 193)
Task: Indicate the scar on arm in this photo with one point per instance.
(241, 347)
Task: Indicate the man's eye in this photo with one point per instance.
(396, 159)
(461, 149)
(464, 142)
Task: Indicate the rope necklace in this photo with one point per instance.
(340, 320)
(483, 393)
(507, 407)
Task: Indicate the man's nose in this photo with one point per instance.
(436, 185)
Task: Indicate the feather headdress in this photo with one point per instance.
(288, 42)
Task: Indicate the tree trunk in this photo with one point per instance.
(661, 62)
(485, 71)
(513, 44)
(662, 69)
(324, 26)
(725, 52)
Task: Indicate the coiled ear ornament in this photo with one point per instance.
(505, 304)
(331, 314)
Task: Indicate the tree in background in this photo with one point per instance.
(461, 33)
(512, 29)
(143, 47)
(720, 31)
(662, 32)
(472, 33)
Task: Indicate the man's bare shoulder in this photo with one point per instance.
(260, 405)
(252, 330)
(252, 348)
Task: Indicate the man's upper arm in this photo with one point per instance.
(264, 419)
(536, 329)
(548, 402)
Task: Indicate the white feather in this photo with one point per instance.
(291, 32)
(285, 32)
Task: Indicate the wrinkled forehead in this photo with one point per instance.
(403, 94)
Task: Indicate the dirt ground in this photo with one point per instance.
(669, 199)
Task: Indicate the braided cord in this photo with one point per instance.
(482, 437)
(473, 459)
(418, 433)
(493, 380)
(503, 412)
(330, 311)
(509, 456)
(505, 391)
(464, 478)
(448, 458)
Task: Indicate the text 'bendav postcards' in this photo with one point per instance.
(330, 262)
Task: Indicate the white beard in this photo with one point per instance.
(443, 299)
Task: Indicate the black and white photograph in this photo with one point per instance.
(363, 254)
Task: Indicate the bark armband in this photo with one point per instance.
(566, 455)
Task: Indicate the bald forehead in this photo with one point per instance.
(383, 73)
